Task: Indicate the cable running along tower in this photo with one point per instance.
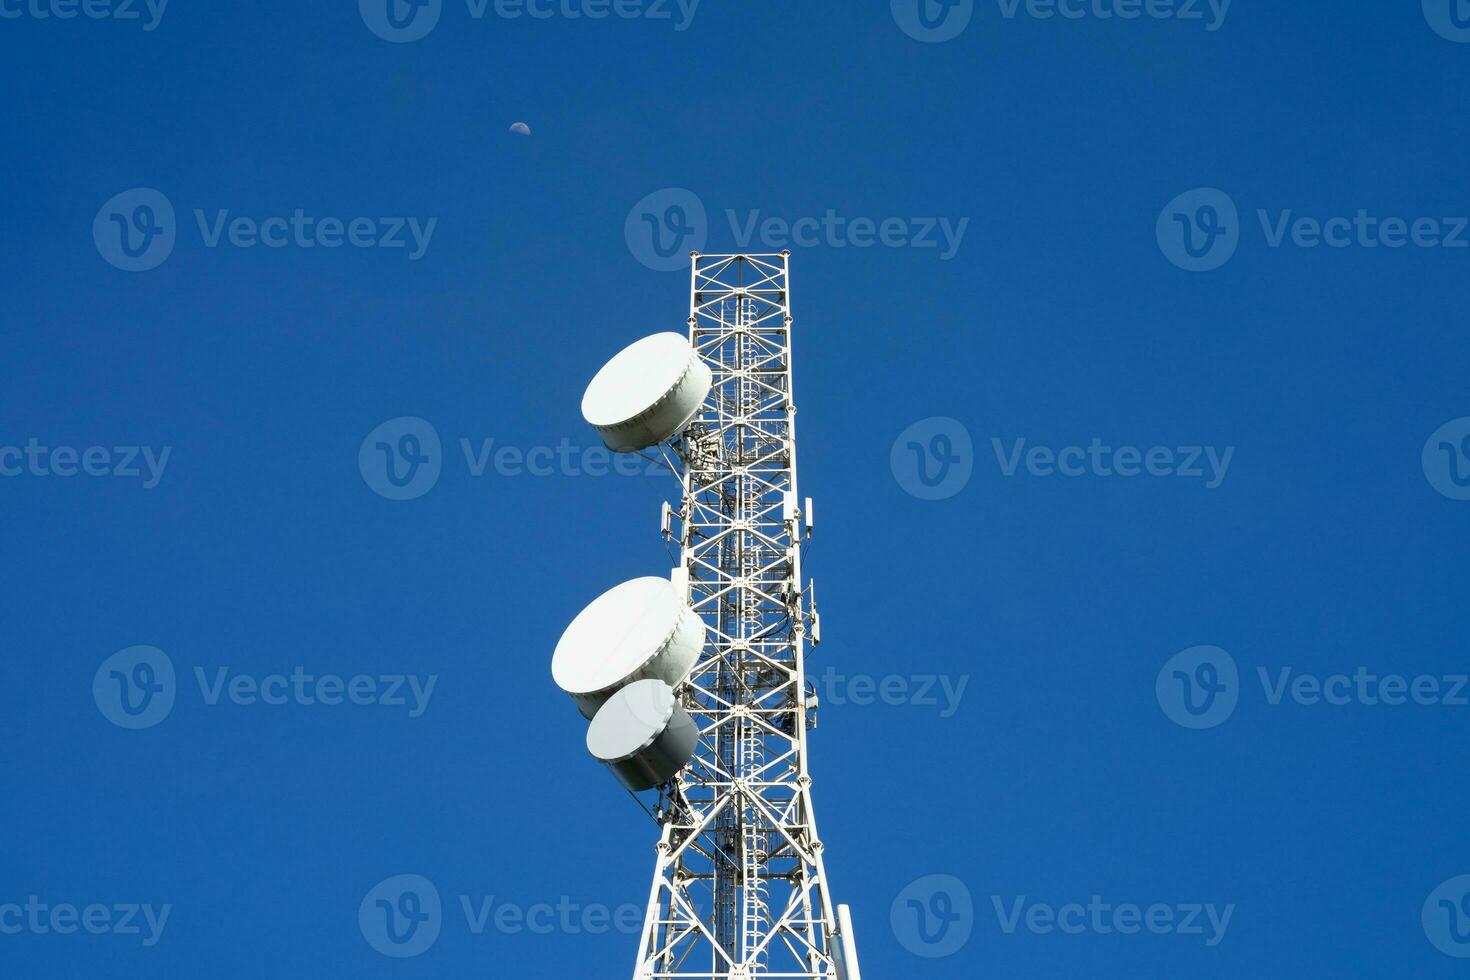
(739, 886)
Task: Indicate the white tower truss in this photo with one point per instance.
(739, 889)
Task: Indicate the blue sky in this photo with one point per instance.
(1222, 250)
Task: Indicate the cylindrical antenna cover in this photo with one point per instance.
(647, 393)
(640, 629)
(643, 735)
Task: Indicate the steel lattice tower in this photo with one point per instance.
(739, 888)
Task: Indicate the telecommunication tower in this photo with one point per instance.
(696, 686)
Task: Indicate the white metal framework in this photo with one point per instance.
(739, 888)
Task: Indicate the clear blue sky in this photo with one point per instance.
(1333, 541)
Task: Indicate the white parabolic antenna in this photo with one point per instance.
(640, 629)
(643, 735)
(647, 393)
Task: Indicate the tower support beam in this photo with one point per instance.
(739, 887)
